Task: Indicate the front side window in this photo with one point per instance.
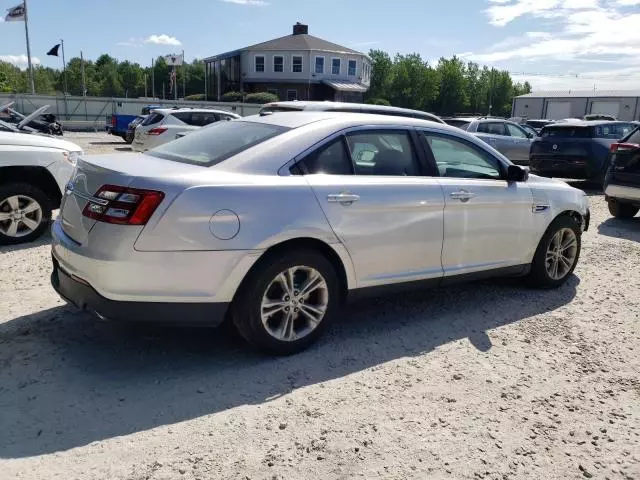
(215, 143)
(335, 66)
(319, 65)
(515, 131)
(383, 153)
(200, 119)
(458, 159)
(259, 63)
(330, 159)
(296, 64)
(352, 68)
(278, 64)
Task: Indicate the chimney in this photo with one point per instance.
(300, 29)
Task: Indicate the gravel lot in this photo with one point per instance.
(489, 380)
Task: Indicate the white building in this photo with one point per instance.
(622, 104)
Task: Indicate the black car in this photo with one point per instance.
(622, 182)
(576, 149)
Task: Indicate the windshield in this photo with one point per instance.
(214, 144)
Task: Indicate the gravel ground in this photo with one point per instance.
(490, 380)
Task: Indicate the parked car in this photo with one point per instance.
(530, 130)
(118, 123)
(34, 170)
(600, 116)
(537, 124)
(622, 182)
(273, 221)
(37, 122)
(131, 128)
(507, 137)
(163, 124)
(296, 106)
(576, 149)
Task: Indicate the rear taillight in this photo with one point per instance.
(123, 206)
(113, 120)
(621, 147)
(157, 131)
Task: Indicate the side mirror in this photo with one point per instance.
(517, 174)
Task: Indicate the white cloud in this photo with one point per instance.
(20, 61)
(131, 42)
(162, 40)
(253, 3)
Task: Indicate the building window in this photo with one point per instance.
(319, 64)
(335, 66)
(296, 64)
(259, 63)
(278, 64)
(352, 68)
(292, 95)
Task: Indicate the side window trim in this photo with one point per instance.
(424, 131)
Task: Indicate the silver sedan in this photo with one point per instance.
(274, 221)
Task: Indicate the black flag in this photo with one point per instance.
(54, 51)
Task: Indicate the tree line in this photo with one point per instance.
(106, 77)
(450, 87)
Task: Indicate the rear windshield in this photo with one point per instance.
(537, 123)
(565, 132)
(463, 124)
(278, 108)
(153, 119)
(614, 132)
(213, 144)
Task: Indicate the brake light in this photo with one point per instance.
(123, 206)
(622, 147)
(113, 120)
(157, 131)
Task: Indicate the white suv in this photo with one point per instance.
(163, 124)
(34, 171)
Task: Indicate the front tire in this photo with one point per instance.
(557, 254)
(622, 210)
(287, 302)
(25, 213)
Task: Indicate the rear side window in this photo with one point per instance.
(492, 128)
(183, 117)
(613, 131)
(383, 153)
(214, 144)
(634, 137)
(330, 159)
(153, 119)
(463, 124)
(200, 119)
(565, 132)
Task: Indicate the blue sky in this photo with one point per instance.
(559, 44)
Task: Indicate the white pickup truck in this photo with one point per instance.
(34, 171)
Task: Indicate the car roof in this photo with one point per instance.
(587, 123)
(306, 117)
(168, 111)
(328, 106)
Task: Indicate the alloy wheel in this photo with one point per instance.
(561, 253)
(19, 216)
(294, 303)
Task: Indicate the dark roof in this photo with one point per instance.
(302, 42)
(586, 123)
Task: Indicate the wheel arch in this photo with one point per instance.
(338, 257)
(34, 175)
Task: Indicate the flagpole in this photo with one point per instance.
(64, 69)
(84, 85)
(175, 83)
(184, 79)
(26, 31)
(153, 78)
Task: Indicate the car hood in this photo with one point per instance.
(34, 140)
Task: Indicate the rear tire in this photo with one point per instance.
(622, 210)
(273, 310)
(25, 213)
(557, 254)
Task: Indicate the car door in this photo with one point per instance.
(488, 222)
(521, 144)
(495, 134)
(371, 186)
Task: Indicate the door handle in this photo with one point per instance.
(462, 195)
(344, 198)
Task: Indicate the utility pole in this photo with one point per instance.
(153, 78)
(145, 85)
(26, 31)
(184, 79)
(64, 69)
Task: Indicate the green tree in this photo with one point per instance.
(452, 97)
(381, 74)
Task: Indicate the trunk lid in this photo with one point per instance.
(93, 172)
(625, 166)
